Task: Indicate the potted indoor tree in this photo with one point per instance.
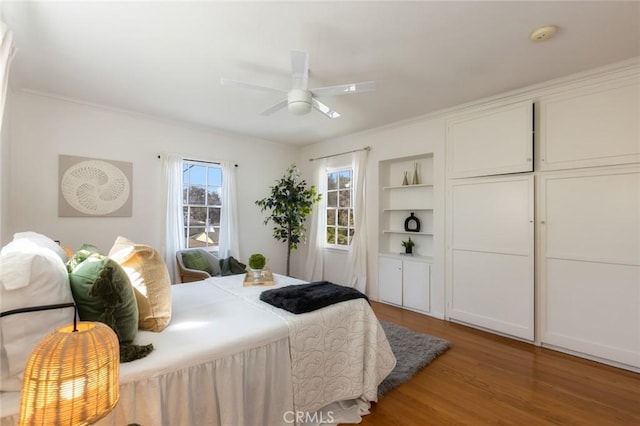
(289, 204)
(256, 263)
(408, 246)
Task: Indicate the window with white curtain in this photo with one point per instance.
(202, 203)
(339, 208)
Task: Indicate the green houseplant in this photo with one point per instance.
(256, 263)
(289, 204)
(408, 245)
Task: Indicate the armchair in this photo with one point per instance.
(211, 264)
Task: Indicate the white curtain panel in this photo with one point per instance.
(7, 52)
(314, 266)
(356, 275)
(174, 239)
(228, 243)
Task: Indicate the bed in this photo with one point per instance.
(229, 359)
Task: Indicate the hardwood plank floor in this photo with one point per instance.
(487, 379)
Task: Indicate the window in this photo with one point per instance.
(340, 225)
(202, 202)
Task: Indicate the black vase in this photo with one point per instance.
(412, 224)
(408, 250)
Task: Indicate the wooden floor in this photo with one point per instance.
(486, 379)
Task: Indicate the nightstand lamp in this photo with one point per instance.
(72, 376)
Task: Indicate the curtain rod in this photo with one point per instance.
(366, 148)
(201, 161)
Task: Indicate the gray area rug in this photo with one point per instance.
(412, 350)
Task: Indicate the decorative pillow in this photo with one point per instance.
(195, 259)
(42, 241)
(231, 266)
(150, 279)
(103, 292)
(30, 275)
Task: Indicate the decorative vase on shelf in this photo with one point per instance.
(405, 181)
(412, 223)
(415, 180)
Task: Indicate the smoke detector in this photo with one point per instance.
(543, 33)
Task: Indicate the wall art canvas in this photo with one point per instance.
(94, 188)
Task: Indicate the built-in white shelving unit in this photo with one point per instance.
(404, 279)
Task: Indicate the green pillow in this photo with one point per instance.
(103, 292)
(231, 266)
(195, 260)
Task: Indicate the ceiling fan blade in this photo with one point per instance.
(300, 69)
(324, 109)
(228, 82)
(344, 89)
(275, 107)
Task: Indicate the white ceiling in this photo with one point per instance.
(166, 58)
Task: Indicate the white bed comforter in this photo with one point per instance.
(337, 353)
(228, 359)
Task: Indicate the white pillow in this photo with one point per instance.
(41, 241)
(47, 284)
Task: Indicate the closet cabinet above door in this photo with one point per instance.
(491, 141)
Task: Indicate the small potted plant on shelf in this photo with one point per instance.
(256, 263)
(408, 246)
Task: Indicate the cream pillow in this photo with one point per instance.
(29, 276)
(150, 279)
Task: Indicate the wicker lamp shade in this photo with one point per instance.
(71, 377)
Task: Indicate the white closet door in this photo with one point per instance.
(490, 254)
(590, 269)
(390, 280)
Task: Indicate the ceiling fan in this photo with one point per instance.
(300, 99)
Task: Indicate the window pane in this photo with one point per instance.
(215, 176)
(332, 199)
(331, 235)
(197, 175)
(197, 237)
(197, 216)
(343, 217)
(332, 180)
(345, 179)
(185, 194)
(214, 216)
(351, 222)
(213, 196)
(345, 198)
(185, 173)
(351, 232)
(331, 216)
(342, 237)
(185, 213)
(196, 195)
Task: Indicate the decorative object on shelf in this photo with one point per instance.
(415, 180)
(408, 246)
(256, 263)
(405, 181)
(412, 223)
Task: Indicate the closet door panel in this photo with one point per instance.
(594, 217)
(487, 291)
(490, 256)
(594, 126)
(590, 262)
(594, 308)
(491, 141)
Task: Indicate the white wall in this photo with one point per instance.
(415, 137)
(5, 170)
(44, 127)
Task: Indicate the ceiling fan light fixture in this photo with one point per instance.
(299, 101)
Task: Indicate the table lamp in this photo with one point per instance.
(71, 377)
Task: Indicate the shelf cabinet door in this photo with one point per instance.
(415, 285)
(390, 280)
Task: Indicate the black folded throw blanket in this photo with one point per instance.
(309, 297)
